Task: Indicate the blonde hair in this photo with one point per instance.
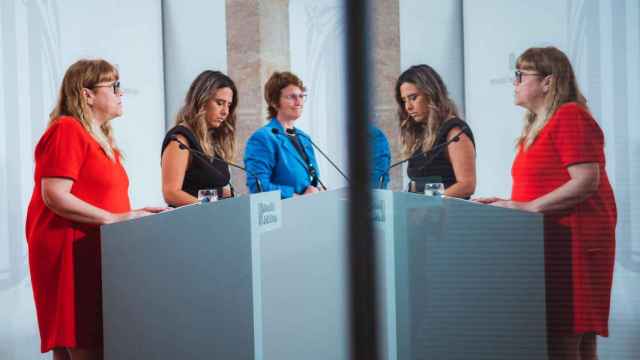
(422, 136)
(86, 74)
(563, 88)
(220, 141)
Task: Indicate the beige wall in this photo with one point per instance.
(386, 68)
(257, 45)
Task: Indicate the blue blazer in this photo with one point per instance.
(272, 157)
(380, 156)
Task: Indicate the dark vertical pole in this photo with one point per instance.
(361, 246)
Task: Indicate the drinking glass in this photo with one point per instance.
(434, 189)
(411, 186)
(207, 195)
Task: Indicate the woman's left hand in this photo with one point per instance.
(519, 205)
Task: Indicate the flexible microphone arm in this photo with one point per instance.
(310, 172)
(323, 154)
(435, 151)
(204, 157)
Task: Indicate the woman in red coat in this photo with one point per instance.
(79, 184)
(559, 170)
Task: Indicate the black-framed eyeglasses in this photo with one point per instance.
(519, 74)
(115, 86)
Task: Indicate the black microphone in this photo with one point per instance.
(310, 170)
(295, 132)
(203, 156)
(434, 151)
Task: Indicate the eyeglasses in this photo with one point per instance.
(519, 74)
(115, 86)
(293, 97)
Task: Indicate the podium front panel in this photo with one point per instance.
(468, 279)
(179, 285)
(304, 280)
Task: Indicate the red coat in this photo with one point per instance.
(64, 256)
(579, 242)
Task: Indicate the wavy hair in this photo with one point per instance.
(548, 61)
(422, 135)
(86, 74)
(219, 141)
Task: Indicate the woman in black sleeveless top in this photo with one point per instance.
(428, 119)
(206, 124)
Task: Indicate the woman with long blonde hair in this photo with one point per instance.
(206, 123)
(428, 119)
(79, 184)
(559, 171)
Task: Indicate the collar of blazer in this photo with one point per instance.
(284, 141)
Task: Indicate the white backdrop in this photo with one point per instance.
(195, 39)
(40, 39)
(317, 33)
(434, 37)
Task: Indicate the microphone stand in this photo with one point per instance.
(324, 155)
(435, 151)
(205, 158)
(311, 172)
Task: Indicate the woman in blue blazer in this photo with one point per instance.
(280, 155)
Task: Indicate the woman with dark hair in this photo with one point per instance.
(279, 154)
(559, 171)
(206, 123)
(428, 118)
(80, 183)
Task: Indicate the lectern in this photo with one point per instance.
(458, 280)
(185, 284)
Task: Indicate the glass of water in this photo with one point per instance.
(434, 189)
(207, 195)
(411, 186)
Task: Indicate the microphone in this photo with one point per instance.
(295, 132)
(310, 170)
(203, 156)
(434, 151)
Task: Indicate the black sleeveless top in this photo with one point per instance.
(439, 169)
(199, 175)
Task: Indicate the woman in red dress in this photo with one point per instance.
(559, 170)
(79, 184)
